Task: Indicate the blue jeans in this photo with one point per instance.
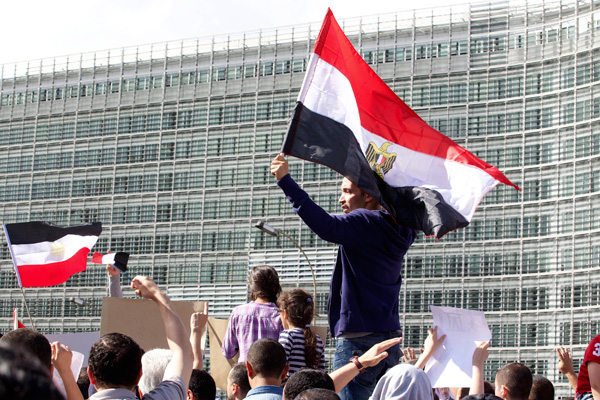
(362, 386)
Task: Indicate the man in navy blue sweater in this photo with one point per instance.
(364, 289)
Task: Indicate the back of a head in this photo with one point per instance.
(264, 282)
(300, 308)
(115, 360)
(83, 382)
(267, 357)
(317, 394)
(483, 396)
(304, 379)
(487, 388)
(542, 389)
(32, 341)
(403, 382)
(154, 364)
(239, 376)
(23, 376)
(202, 385)
(517, 378)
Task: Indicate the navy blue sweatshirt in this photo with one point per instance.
(365, 285)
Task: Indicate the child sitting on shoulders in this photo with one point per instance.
(302, 347)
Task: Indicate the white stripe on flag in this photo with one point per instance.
(108, 258)
(462, 186)
(51, 252)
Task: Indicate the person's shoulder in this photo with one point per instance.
(172, 387)
(383, 219)
(265, 392)
(239, 309)
(115, 393)
(293, 334)
(594, 342)
(251, 307)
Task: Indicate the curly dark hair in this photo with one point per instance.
(300, 308)
(264, 282)
(115, 360)
(307, 378)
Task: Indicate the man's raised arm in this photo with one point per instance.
(177, 338)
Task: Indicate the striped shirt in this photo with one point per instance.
(293, 342)
(248, 323)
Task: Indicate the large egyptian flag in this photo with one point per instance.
(348, 119)
(45, 254)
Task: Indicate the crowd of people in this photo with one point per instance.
(279, 355)
(118, 368)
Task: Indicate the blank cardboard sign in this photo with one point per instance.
(219, 365)
(140, 319)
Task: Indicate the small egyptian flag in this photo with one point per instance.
(117, 260)
(16, 323)
(349, 120)
(47, 255)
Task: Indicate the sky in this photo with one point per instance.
(35, 29)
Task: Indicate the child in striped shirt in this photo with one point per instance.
(302, 347)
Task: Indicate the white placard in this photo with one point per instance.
(451, 365)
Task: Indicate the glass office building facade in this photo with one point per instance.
(169, 146)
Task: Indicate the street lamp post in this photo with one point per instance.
(263, 226)
(82, 303)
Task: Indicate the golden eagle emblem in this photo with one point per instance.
(379, 159)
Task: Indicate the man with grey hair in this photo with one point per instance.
(154, 364)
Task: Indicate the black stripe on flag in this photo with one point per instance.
(38, 231)
(319, 139)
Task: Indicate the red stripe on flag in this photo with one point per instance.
(54, 273)
(381, 111)
(97, 258)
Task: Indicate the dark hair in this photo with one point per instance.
(32, 341)
(541, 389)
(264, 282)
(23, 376)
(267, 357)
(115, 360)
(482, 396)
(239, 376)
(300, 308)
(488, 388)
(517, 378)
(83, 382)
(317, 394)
(202, 385)
(304, 379)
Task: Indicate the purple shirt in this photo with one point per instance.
(248, 323)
